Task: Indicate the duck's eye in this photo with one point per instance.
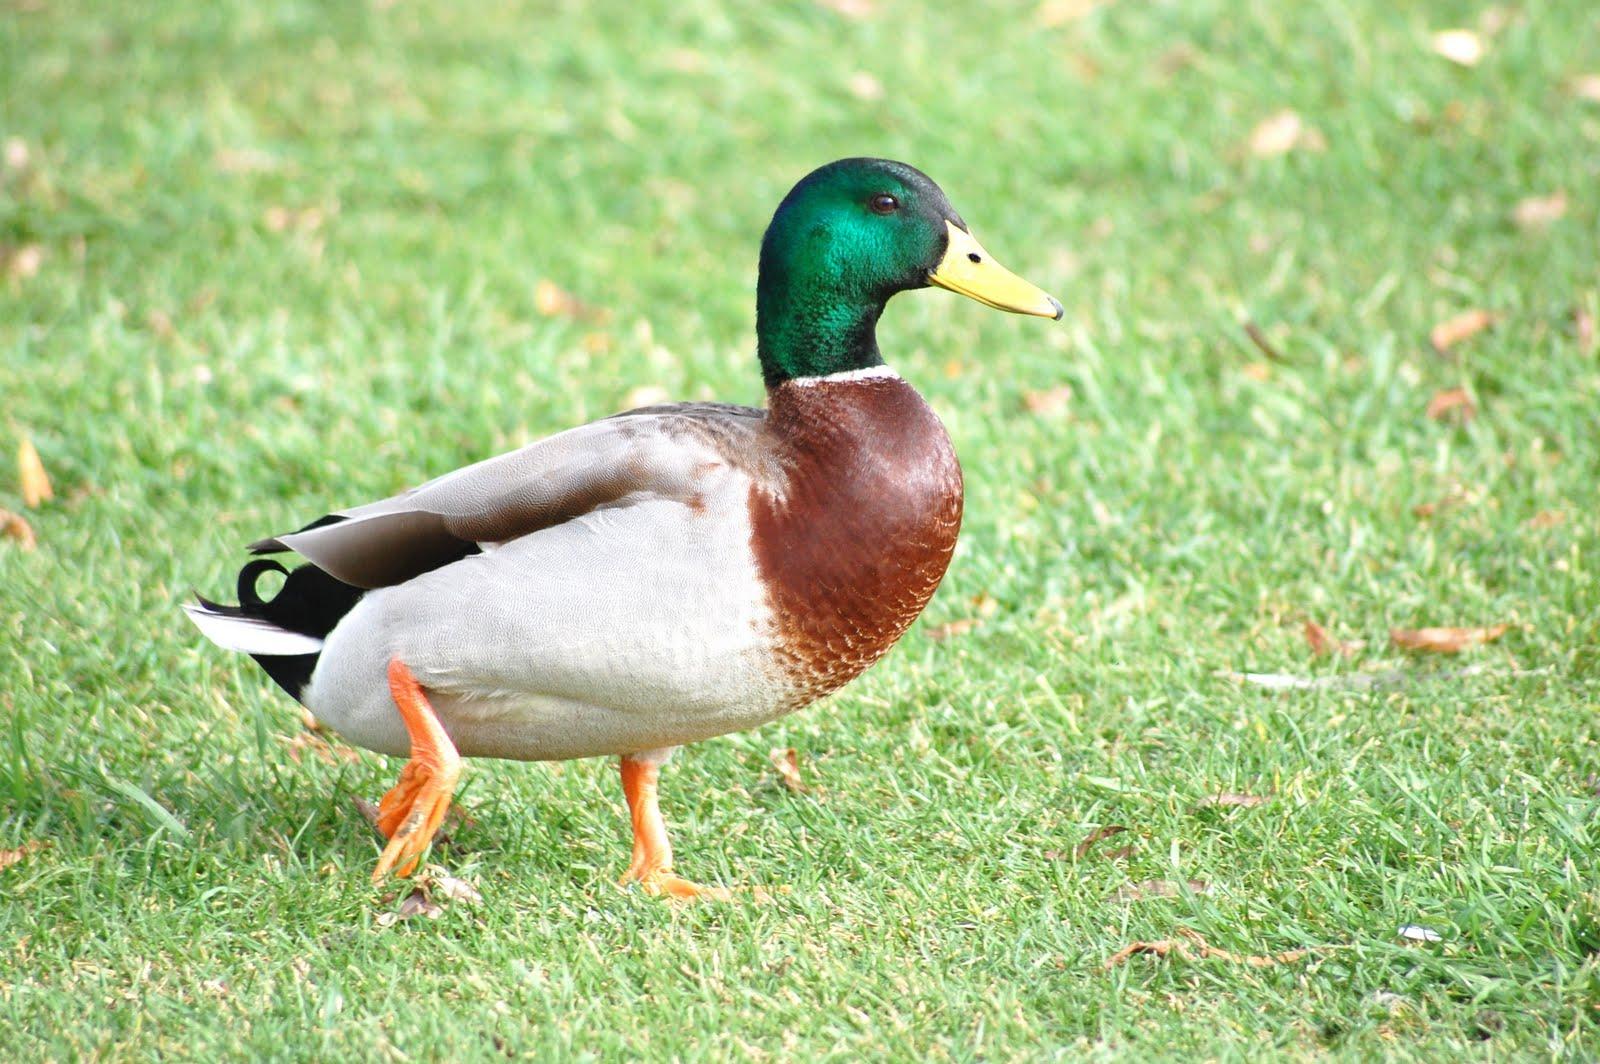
(883, 203)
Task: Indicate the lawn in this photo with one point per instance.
(262, 260)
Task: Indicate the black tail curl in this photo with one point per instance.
(310, 602)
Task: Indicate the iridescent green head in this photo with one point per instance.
(844, 240)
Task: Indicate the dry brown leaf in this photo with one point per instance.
(1452, 331)
(1190, 946)
(1537, 212)
(1264, 345)
(786, 759)
(1452, 404)
(1361, 681)
(282, 219)
(243, 161)
(454, 889)
(417, 903)
(1230, 800)
(34, 480)
(11, 857)
(1462, 47)
(309, 741)
(1583, 326)
(21, 263)
(1048, 402)
(863, 86)
(1587, 87)
(15, 527)
(368, 810)
(1546, 519)
(1053, 13)
(857, 9)
(1283, 132)
(1098, 834)
(1159, 888)
(552, 301)
(160, 323)
(1322, 641)
(16, 154)
(1445, 640)
(939, 632)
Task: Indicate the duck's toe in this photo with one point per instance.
(415, 806)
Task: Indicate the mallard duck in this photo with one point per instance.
(660, 576)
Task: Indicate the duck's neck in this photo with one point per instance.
(807, 329)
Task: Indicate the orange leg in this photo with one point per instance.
(413, 809)
(652, 851)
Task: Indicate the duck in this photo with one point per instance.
(658, 577)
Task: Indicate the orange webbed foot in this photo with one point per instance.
(416, 805)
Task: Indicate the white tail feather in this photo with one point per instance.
(250, 635)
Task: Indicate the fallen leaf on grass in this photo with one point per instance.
(21, 263)
(15, 153)
(1322, 642)
(864, 86)
(280, 219)
(553, 301)
(856, 9)
(939, 632)
(1462, 47)
(1190, 946)
(1587, 87)
(421, 901)
(1452, 404)
(16, 527)
(368, 810)
(1546, 519)
(1359, 681)
(456, 889)
(1099, 834)
(311, 742)
(1283, 132)
(1463, 326)
(1259, 338)
(1537, 212)
(1159, 888)
(1230, 800)
(11, 857)
(243, 161)
(1048, 402)
(786, 759)
(1418, 933)
(415, 904)
(30, 472)
(1053, 13)
(1445, 640)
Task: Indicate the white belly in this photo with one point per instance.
(627, 629)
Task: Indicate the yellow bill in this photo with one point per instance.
(972, 271)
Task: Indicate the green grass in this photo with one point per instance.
(197, 374)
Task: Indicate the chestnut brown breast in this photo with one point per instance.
(853, 539)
